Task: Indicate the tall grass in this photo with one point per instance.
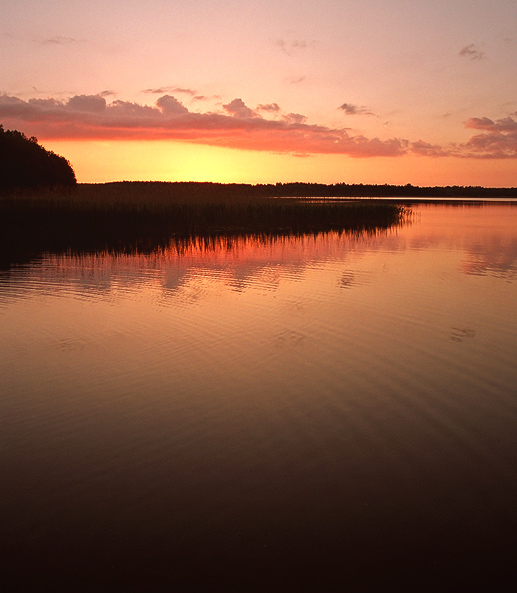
(133, 216)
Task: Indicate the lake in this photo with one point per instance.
(332, 411)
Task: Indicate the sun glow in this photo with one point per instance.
(98, 161)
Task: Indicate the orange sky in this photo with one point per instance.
(215, 90)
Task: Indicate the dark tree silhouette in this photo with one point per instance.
(26, 164)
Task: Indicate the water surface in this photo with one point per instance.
(263, 414)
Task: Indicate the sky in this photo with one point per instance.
(255, 91)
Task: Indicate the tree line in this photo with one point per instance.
(194, 189)
(26, 164)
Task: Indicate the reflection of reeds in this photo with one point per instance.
(140, 217)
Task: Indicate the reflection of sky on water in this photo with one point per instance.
(484, 235)
(327, 371)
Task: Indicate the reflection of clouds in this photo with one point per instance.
(238, 262)
(495, 258)
(485, 236)
(175, 278)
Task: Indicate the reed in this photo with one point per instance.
(135, 217)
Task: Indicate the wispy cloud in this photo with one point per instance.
(205, 98)
(59, 40)
(170, 89)
(351, 109)
(293, 46)
(471, 52)
(295, 79)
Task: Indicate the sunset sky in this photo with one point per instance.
(370, 91)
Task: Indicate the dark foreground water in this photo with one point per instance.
(301, 414)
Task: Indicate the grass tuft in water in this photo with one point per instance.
(131, 217)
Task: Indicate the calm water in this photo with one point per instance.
(318, 413)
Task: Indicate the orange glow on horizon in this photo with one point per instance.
(98, 161)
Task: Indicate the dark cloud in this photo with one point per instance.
(90, 116)
(506, 124)
(269, 107)
(91, 103)
(497, 140)
(171, 106)
(237, 108)
(350, 109)
(130, 110)
(422, 148)
(471, 52)
(295, 118)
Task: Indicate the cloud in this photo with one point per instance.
(295, 118)
(205, 98)
(422, 148)
(506, 124)
(295, 79)
(471, 52)
(169, 89)
(171, 106)
(269, 107)
(91, 103)
(91, 117)
(497, 140)
(291, 47)
(237, 108)
(350, 109)
(58, 40)
(129, 110)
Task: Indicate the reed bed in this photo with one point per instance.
(131, 217)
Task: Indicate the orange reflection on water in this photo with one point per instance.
(484, 233)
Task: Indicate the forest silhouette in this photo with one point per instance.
(26, 164)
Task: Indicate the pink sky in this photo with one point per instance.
(372, 92)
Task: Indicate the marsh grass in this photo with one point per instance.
(130, 217)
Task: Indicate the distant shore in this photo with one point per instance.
(315, 190)
(136, 191)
